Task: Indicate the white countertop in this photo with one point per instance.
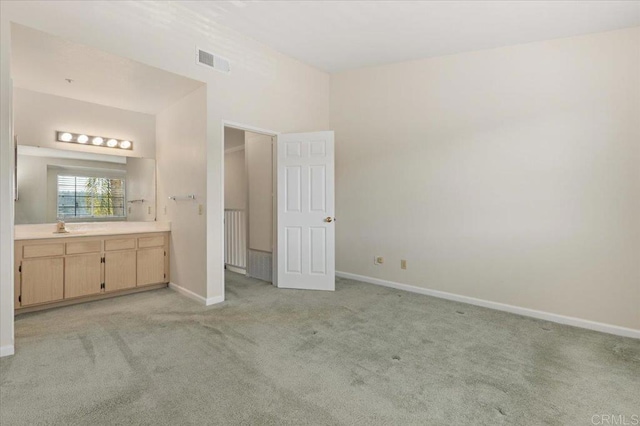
(88, 229)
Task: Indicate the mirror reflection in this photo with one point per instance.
(74, 186)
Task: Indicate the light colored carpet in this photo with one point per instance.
(362, 355)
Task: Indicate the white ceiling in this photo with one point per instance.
(41, 62)
(340, 35)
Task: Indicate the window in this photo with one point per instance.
(90, 197)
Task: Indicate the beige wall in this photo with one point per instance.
(180, 151)
(509, 175)
(141, 185)
(235, 180)
(260, 177)
(233, 138)
(235, 173)
(38, 116)
(6, 191)
(265, 89)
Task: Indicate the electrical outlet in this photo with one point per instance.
(129, 210)
(403, 264)
(200, 209)
(378, 260)
(149, 210)
(165, 210)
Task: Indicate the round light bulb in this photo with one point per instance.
(97, 140)
(112, 143)
(125, 144)
(83, 139)
(66, 137)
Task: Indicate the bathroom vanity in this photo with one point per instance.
(92, 261)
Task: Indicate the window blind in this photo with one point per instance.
(86, 196)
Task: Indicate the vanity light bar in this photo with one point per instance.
(102, 141)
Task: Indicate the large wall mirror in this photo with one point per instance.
(75, 186)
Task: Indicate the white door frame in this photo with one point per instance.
(274, 242)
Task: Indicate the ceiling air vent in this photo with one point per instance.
(211, 60)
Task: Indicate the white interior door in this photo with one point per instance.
(305, 211)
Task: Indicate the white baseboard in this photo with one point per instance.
(236, 269)
(7, 350)
(213, 300)
(191, 295)
(560, 319)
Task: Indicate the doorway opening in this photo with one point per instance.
(249, 201)
(293, 228)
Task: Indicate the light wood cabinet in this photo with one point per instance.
(151, 268)
(120, 244)
(42, 281)
(119, 270)
(82, 275)
(42, 250)
(155, 241)
(64, 270)
(92, 246)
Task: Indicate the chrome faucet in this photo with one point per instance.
(60, 226)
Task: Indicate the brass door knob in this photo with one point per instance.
(329, 219)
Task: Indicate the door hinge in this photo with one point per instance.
(165, 253)
(102, 286)
(20, 268)
(102, 259)
(165, 276)
(20, 298)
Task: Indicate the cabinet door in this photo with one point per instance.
(82, 275)
(151, 266)
(42, 280)
(119, 270)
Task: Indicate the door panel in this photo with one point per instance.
(293, 250)
(119, 270)
(318, 237)
(306, 230)
(82, 275)
(292, 189)
(318, 195)
(42, 281)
